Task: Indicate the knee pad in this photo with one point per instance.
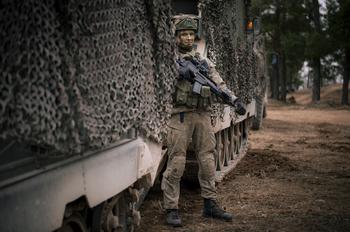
(177, 168)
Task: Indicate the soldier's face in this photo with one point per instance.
(185, 38)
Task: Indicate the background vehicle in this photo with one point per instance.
(85, 97)
(261, 75)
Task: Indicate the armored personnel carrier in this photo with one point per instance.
(86, 92)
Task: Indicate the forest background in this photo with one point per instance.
(306, 32)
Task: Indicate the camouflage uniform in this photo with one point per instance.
(190, 122)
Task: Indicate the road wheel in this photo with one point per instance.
(112, 215)
(232, 147)
(244, 130)
(237, 139)
(226, 144)
(74, 223)
(220, 152)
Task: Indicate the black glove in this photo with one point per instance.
(186, 73)
(239, 107)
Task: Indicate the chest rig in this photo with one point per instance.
(184, 94)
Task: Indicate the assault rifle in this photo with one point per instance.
(197, 73)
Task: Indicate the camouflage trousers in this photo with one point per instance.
(193, 127)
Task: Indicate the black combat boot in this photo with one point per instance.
(212, 209)
(173, 218)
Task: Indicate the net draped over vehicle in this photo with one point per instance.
(228, 47)
(79, 74)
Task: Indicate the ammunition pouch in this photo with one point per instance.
(183, 90)
(185, 97)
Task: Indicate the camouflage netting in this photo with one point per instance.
(232, 54)
(78, 74)
(261, 66)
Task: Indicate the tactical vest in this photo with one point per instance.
(184, 96)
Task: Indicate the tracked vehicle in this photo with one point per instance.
(85, 97)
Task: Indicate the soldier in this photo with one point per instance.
(190, 122)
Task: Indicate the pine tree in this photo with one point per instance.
(338, 18)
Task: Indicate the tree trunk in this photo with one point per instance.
(290, 84)
(345, 92)
(283, 56)
(275, 78)
(316, 83)
(316, 63)
(276, 47)
(283, 78)
(272, 81)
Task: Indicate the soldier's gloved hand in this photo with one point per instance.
(239, 107)
(186, 73)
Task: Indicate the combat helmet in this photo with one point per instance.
(186, 24)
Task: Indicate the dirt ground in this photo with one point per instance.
(295, 176)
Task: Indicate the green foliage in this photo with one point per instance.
(338, 18)
(285, 24)
(317, 45)
(291, 29)
(331, 68)
(294, 46)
